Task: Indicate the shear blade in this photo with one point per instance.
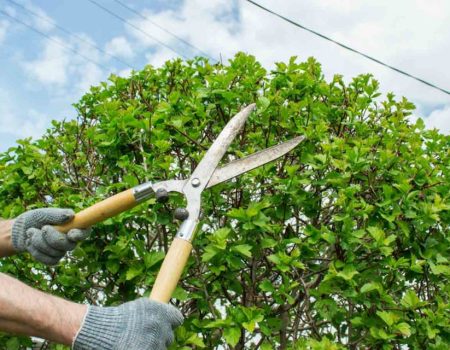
(243, 165)
(208, 164)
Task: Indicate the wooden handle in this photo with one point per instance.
(171, 270)
(101, 211)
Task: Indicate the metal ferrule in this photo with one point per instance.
(143, 191)
(187, 229)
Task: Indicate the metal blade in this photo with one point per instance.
(240, 166)
(201, 175)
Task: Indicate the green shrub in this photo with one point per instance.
(343, 243)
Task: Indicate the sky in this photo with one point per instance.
(43, 74)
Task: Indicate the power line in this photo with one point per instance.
(70, 33)
(348, 48)
(165, 30)
(136, 28)
(68, 48)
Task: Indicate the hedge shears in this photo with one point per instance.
(205, 175)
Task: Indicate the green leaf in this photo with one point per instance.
(266, 346)
(403, 328)
(232, 335)
(219, 238)
(266, 286)
(410, 300)
(238, 213)
(268, 243)
(130, 180)
(210, 252)
(153, 258)
(13, 344)
(221, 234)
(388, 317)
(368, 287)
(379, 333)
(322, 158)
(263, 104)
(194, 339)
(357, 321)
(180, 294)
(113, 266)
(439, 269)
(134, 271)
(348, 272)
(243, 249)
(377, 234)
(249, 326)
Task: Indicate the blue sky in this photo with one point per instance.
(39, 79)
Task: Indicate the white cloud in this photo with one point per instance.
(20, 125)
(205, 24)
(158, 57)
(439, 119)
(119, 46)
(50, 68)
(67, 67)
(413, 36)
(55, 72)
(125, 73)
(90, 74)
(35, 124)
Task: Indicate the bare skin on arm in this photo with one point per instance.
(26, 311)
(6, 247)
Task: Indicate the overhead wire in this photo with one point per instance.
(136, 28)
(129, 8)
(349, 48)
(48, 37)
(68, 32)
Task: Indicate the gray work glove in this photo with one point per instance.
(142, 324)
(31, 232)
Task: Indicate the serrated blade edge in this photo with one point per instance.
(243, 165)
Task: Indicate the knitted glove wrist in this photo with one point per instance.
(136, 325)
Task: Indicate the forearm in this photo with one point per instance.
(6, 247)
(24, 310)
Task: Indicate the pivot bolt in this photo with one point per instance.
(181, 214)
(161, 195)
(195, 182)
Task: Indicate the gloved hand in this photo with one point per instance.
(142, 324)
(30, 232)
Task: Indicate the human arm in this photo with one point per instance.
(137, 325)
(6, 247)
(26, 311)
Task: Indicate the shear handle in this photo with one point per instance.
(119, 203)
(101, 211)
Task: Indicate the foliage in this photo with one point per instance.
(341, 244)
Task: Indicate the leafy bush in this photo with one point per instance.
(341, 244)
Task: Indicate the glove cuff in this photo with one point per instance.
(18, 234)
(100, 329)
